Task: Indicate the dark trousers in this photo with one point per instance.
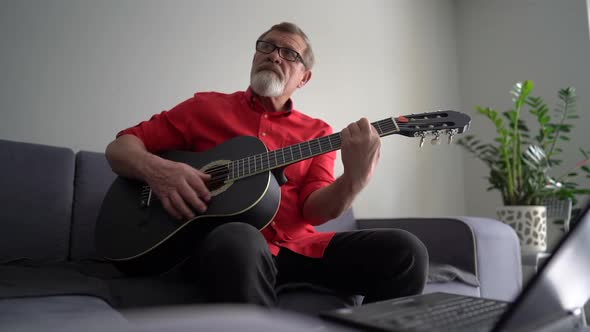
(233, 264)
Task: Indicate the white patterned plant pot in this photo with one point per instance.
(559, 213)
(530, 224)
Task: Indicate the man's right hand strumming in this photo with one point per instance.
(181, 188)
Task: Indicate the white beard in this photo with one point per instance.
(267, 83)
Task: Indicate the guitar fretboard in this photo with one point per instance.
(267, 161)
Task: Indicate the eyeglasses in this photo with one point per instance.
(285, 53)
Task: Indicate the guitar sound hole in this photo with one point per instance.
(219, 174)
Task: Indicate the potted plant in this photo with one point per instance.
(521, 163)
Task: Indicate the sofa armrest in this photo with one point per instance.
(498, 258)
(484, 247)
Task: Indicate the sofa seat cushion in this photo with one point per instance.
(444, 273)
(453, 287)
(35, 279)
(174, 288)
(312, 299)
(58, 313)
(128, 292)
(135, 292)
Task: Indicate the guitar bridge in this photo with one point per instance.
(145, 197)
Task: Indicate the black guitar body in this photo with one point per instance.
(143, 240)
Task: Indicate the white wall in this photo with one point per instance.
(76, 72)
(502, 42)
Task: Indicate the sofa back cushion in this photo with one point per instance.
(93, 178)
(36, 189)
(344, 223)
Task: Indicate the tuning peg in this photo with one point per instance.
(435, 140)
(451, 138)
(422, 139)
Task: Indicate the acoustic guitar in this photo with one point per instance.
(136, 233)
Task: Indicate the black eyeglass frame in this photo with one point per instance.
(298, 56)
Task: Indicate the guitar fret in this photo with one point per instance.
(318, 147)
(284, 159)
(321, 143)
(379, 129)
(267, 164)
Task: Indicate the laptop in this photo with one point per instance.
(553, 300)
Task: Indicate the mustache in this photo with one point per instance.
(270, 67)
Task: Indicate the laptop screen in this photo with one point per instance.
(561, 286)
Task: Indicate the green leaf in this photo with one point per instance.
(520, 91)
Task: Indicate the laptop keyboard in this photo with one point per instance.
(454, 314)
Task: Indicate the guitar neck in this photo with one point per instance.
(268, 161)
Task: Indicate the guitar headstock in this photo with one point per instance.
(434, 124)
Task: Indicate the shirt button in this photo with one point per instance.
(273, 223)
(263, 134)
(266, 116)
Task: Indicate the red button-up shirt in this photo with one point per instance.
(208, 119)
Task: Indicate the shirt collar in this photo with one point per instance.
(255, 104)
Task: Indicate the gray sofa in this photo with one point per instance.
(49, 269)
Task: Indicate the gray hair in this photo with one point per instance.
(289, 27)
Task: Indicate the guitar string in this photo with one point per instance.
(219, 174)
(223, 170)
